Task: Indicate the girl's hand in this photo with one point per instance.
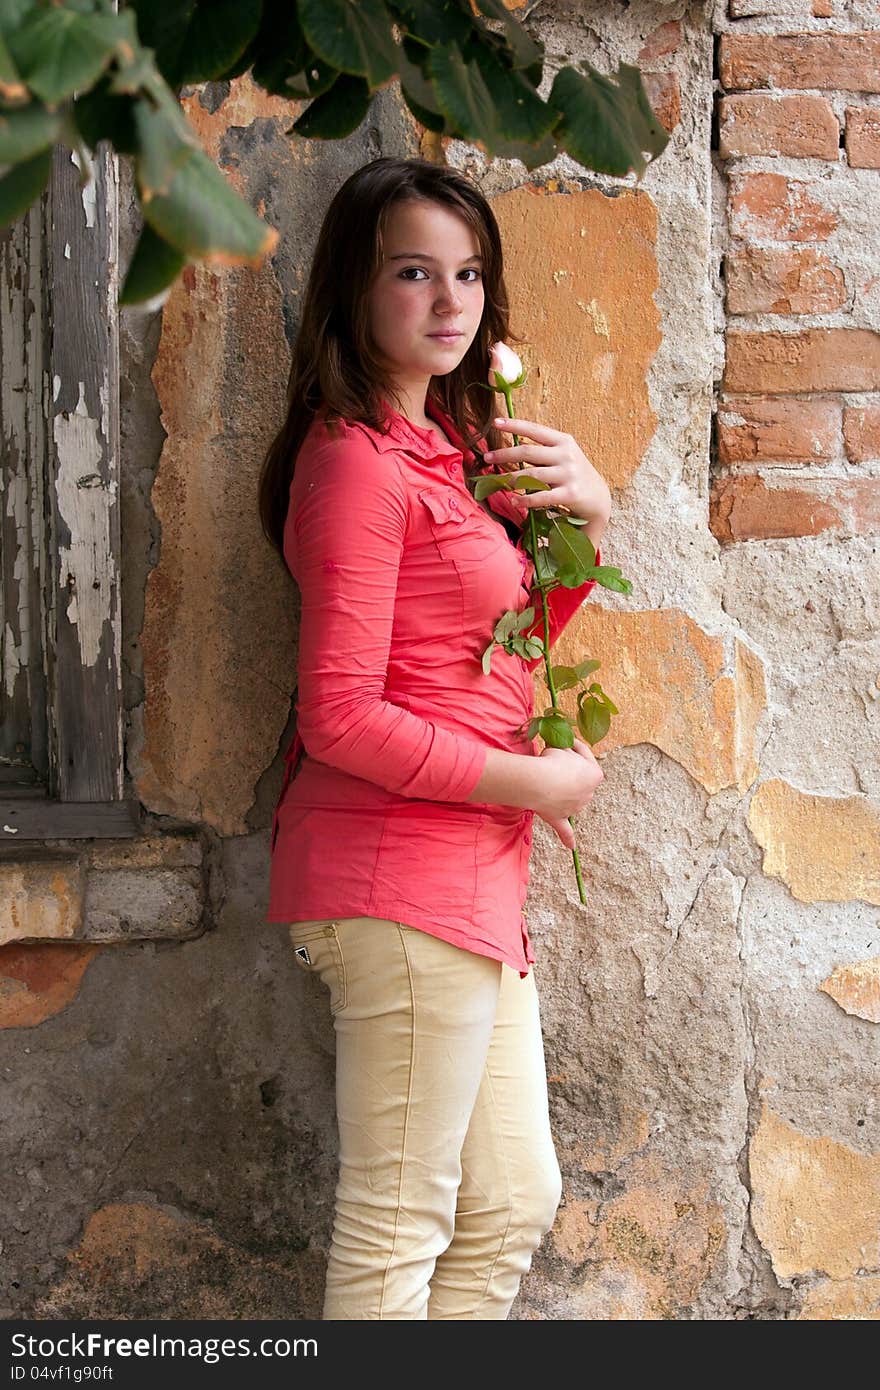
(572, 776)
(556, 459)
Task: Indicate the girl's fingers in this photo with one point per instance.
(542, 433)
(516, 453)
(563, 830)
(542, 498)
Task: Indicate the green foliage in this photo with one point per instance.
(509, 633)
(564, 556)
(496, 482)
(78, 72)
(606, 123)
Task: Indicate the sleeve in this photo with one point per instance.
(344, 550)
(563, 604)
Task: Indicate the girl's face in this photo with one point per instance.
(426, 301)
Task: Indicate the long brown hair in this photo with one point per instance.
(334, 363)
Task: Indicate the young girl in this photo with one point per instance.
(400, 847)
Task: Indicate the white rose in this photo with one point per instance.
(504, 361)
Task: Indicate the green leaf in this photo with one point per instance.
(27, 130)
(564, 677)
(154, 267)
(12, 89)
(556, 730)
(573, 551)
(132, 76)
(602, 696)
(464, 98)
(280, 52)
(316, 78)
(336, 113)
(524, 482)
(585, 668)
(58, 52)
(12, 12)
(243, 63)
(416, 84)
(520, 114)
(22, 185)
(487, 483)
(185, 197)
(165, 142)
(432, 22)
(526, 52)
(594, 719)
(611, 577)
(487, 658)
(101, 115)
(355, 38)
(545, 565)
(481, 111)
(606, 123)
(197, 41)
(429, 119)
(506, 624)
(526, 618)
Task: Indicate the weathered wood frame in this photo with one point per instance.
(58, 292)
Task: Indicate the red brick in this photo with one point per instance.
(817, 359)
(764, 429)
(745, 508)
(664, 95)
(823, 9)
(666, 38)
(864, 500)
(861, 432)
(788, 280)
(801, 126)
(841, 62)
(863, 136)
(770, 207)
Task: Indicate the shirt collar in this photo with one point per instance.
(424, 442)
(399, 431)
(503, 502)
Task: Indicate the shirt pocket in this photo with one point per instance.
(447, 515)
(479, 552)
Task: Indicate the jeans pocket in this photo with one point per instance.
(316, 950)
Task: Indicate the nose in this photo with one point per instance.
(448, 295)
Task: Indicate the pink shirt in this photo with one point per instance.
(402, 577)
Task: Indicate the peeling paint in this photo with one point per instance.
(87, 571)
(825, 848)
(856, 988)
(89, 190)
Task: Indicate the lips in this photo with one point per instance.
(448, 336)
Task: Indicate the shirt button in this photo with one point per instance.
(527, 838)
(452, 469)
(453, 502)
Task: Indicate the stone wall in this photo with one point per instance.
(795, 506)
(710, 1016)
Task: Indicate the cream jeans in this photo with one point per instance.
(448, 1178)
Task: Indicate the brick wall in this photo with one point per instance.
(798, 421)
